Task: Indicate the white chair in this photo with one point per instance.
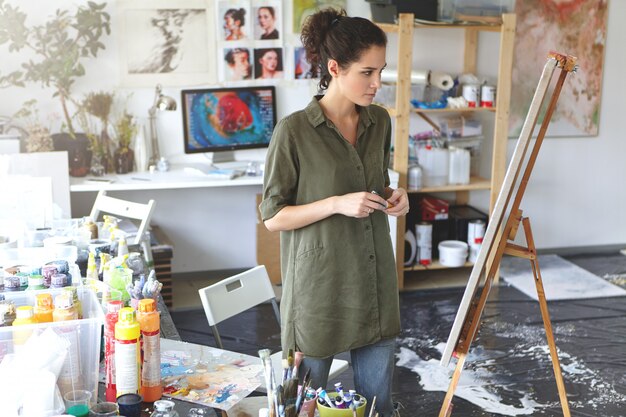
(239, 293)
(130, 210)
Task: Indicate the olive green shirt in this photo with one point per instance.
(339, 278)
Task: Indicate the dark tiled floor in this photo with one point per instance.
(508, 371)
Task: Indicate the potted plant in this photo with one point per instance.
(125, 130)
(57, 49)
(98, 105)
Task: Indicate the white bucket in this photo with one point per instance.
(452, 253)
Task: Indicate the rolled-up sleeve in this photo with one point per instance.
(280, 179)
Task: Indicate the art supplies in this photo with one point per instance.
(127, 357)
(24, 315)
(111, 318)
(149, 323)
(70, 377)
(43, 308)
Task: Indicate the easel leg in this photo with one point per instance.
(545, 315)
(446, 407)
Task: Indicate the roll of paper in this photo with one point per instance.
(437, 79)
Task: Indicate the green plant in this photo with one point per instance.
(98, 105)
(125, 130)
(59, 46)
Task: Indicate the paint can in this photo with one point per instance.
(475, 235)
(487, 96)
(476, 232)
(424, 233)
(471, 93)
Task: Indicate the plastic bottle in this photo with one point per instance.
(24, 315)
(164, 408)
(43, 308)
(70, 376)
(92, 268)
(127, 358)
(150, 326)
(73, 291)
(58, 281)
(122, 246)
(111, 317)
(90, 225)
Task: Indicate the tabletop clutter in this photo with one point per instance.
(52, 313)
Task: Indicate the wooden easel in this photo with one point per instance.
(500, 241)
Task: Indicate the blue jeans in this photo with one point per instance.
(373, 373)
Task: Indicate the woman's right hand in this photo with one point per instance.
(359, 205)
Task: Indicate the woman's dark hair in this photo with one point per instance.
(237, 14)
(269, 9)
(331, 34)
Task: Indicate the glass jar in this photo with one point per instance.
(164, 408)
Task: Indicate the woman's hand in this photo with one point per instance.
(398, 203)
(360, 204)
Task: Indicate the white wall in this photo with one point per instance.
(575, 198)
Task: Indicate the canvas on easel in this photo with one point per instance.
(505, 220)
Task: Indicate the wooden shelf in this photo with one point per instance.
(435, 265)
(476, 183)
(402, 110)
(392, 111)
(394, 28)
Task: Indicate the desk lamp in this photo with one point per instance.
(161, 103)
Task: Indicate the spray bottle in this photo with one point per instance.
(92, 268)
(111, 317)
(70, 377)
(127, 357)
(149, 322)
(43, 308)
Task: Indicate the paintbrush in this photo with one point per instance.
(285, 370)
(306, 382)
(266, 360)
(298, 356)
(373, 405)
(280, 400)
(290, 363)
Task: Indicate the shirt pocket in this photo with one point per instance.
(312, 277)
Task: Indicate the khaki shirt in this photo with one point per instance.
(339, 278)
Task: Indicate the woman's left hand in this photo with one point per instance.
(400, 201)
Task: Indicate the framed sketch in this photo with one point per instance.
(234, 21)
(268, 21)
(165, 42)
(579, 31)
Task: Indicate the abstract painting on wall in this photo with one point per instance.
(576, 27)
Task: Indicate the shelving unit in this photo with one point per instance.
(402, 112)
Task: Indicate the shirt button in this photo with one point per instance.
(371, 257)
(367, 227)
(358, 168)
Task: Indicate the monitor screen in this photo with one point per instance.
(226, 119)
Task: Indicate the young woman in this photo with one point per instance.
(267, 22)
(234, 20)
(268, 63)
(326, 188)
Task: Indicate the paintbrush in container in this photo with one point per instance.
(373, 405)
(266, 360)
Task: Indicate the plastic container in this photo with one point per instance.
(89, 329)
(452, 253)
(434, 163)
(150, 325)
(325, 411)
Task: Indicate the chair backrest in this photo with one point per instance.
(124, 208)
(236, 294)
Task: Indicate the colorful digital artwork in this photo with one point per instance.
(207, 376)
(226, 118)
(573, 27)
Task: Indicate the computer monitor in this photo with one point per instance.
(228, 119)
